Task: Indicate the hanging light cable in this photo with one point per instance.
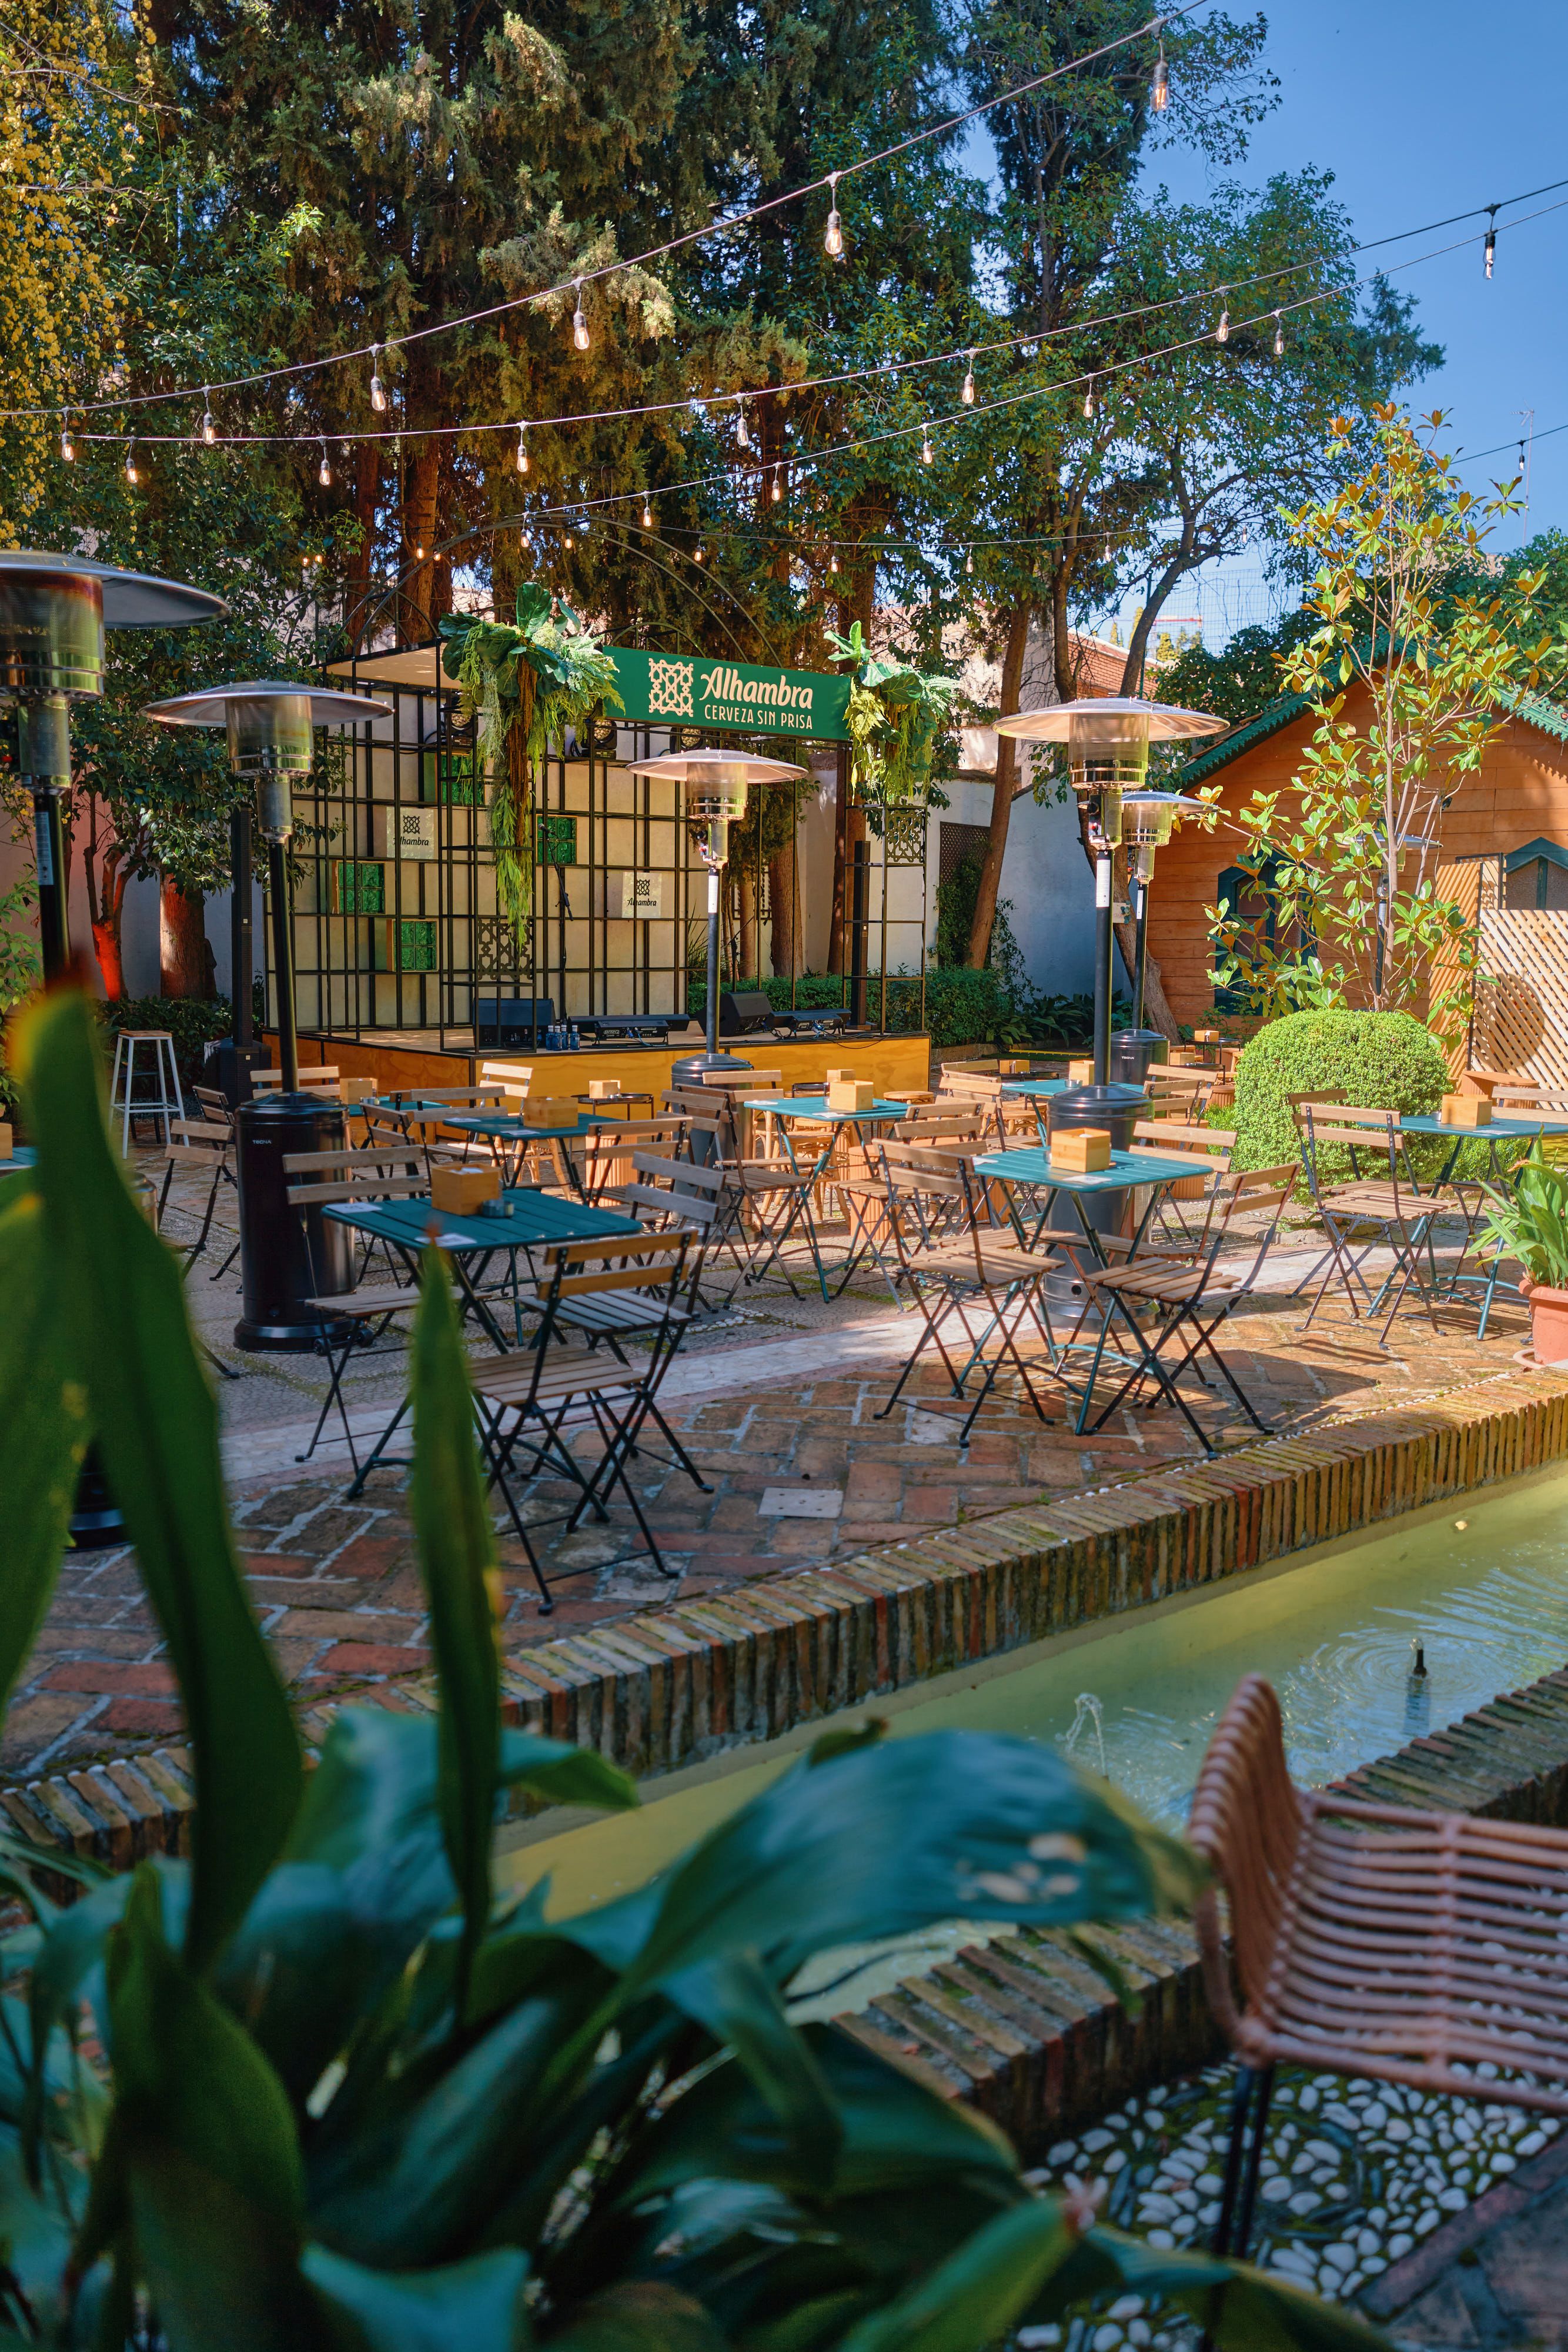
(579, 323)
(1278, 336)
(1160, 87)
(131, 476)
(377, 389)
(967, 394)
(522, 449)
(833, 237)
(209, 430)
(324, 471)
(1491, 238)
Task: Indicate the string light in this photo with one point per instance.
(419, 554)
(833, 238)
(742, 430)
(1278, 336)
(967, 393)
(579, 323)
(67, 447)
(1160, 88)
(647, 516)
(131, 476)
(522, 449)
(926, 451)
(324, 471)
(1491, 238)
(697, 555)
(1222, 332)
(377, 389)
(1088, 398)
(833, 561)
(969, 560)
(209, 430)
(778, 485)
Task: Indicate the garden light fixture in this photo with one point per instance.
(833, 237)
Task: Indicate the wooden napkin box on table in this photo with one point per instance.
(357, 1090)
(1081, 1150)
(1013, 1069)
(850, 1094)
(1465, 1111)
(459, 1191)
(1080, 1074)
(603, 1089)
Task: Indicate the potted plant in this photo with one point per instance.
(1529, 1222)
(329, 2085)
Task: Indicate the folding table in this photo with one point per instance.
(536, 1220)
(1517, 1128)
(784, 1109)
(495, 1127)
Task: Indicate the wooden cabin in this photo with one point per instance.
(1515, 806)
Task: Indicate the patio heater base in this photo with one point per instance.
(1132, 1051)
(1116, 1108)
(286, 1258)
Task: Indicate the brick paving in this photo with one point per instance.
(1492, 2279)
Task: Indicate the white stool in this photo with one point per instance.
(164, 1101)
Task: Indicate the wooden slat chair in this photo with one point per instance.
(950, 1269)
(1190, 1300)
(530, 1397)
(762, 1203)
(367, 1313)
(1207, 1148)
(1370, 1941)
(1371, 1212)
(1179, 1095)
(321, 1077)
(512, 1079)
(194, 1146)
(958, 1127)
(1012, 1117)
(603, 1159)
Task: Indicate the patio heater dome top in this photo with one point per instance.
(1149, 818)
(128, 600)
(210, 705)
(54, 610)
(269, 722)
(1103, 721)
(717, 782)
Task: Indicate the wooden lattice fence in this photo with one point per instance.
(1518, 1018)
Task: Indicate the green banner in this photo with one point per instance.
(693, 690)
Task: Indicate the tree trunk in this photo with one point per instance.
(1001, 796)
(1157, 1014)
(367, 464)
(185, 957)
(784, 949)
(858, 603)
(420, 504)
(750, 968)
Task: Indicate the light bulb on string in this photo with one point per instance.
(1088, 403)
(1222, 332)
(377, 389)
(697, 555)
(209, 430)
(833, 561)
(743, 430)
(579, 323)
(67, 447)
(927, 452)
(522, 449)
(1160, 87)
(778, 486)
(647, 516)
(1491, 239)
(833, 237)
(324, 471)
(131, 476)
(969, 560)
(419, 554)
(967, 394)
(1278, 336)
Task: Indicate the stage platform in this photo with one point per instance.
(399, 1059)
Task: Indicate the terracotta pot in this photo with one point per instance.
(1547, 1322)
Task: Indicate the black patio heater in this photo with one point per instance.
(1148, 821)
(285, 1259)
(1107, 741)
(54, 610)
(716, 785)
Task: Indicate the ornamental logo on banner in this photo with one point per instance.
(670, 689)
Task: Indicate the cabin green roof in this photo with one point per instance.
(1536, 710)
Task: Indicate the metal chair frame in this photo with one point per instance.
(1400, 1216)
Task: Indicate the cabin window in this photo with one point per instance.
(1536, 876)
(1252, 900)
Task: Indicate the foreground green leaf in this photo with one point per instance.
(473, 2306)
(123, 1324)
(43, 1429)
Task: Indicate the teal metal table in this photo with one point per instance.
(814, 1109)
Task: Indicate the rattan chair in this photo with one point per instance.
(1401, 1946)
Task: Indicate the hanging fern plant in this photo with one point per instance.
(898, 717)
(523, 687)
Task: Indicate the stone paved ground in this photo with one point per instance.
(785, 1398)
(1492, 2278)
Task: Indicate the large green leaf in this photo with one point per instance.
(203, 2139)
(883, 1841)
(462, 1584)
(473, 2306)
(124, 1323)
(640, 2316)
(734, 1999)
(977, 2293)
(43, 1429)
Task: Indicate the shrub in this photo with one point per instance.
(1385, 1059)
(191, 1021)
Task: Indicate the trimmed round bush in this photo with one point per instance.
(1385, 1060)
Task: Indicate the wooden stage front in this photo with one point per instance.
(399, 1060)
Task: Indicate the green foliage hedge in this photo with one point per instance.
(963, 1007)
(191, 1021)
(1386, 1059)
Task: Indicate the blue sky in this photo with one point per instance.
(1420, 111)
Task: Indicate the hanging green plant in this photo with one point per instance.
(523, 687)
(897, 718)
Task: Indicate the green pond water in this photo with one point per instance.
(1138, 1697)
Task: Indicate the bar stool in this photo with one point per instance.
(164, 1102)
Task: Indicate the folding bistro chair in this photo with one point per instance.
(1370, 1941)
(1208, 1149)
(528, 1397)
(949, 1269)
(1189, 1301)
(203, 1147)
(364, 1314)
(602, 1159)
(1366, 1214)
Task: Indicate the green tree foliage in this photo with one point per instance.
(1342, 859)
(1239, 680)
(325, 2085)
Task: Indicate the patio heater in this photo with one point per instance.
(716, 785)
(285, 1260)
(1107, 741)
(1148, 821)
(54, 610)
